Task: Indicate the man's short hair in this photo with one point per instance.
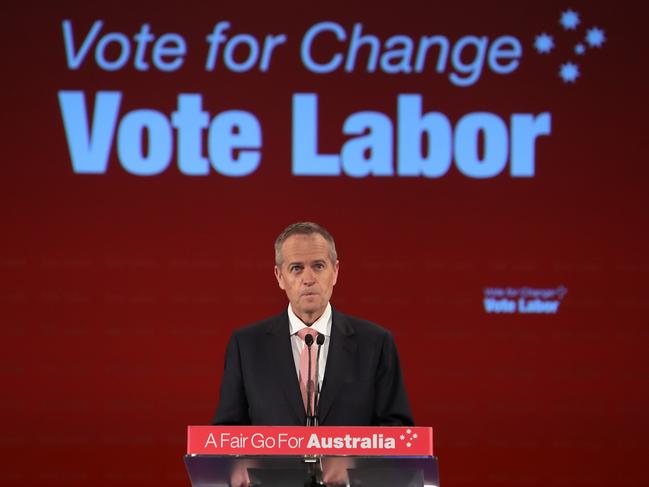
(304, 228)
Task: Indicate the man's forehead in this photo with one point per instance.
(315, 260)
(304, 248)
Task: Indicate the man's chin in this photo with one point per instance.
(310, 301)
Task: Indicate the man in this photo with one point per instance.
(358, 368)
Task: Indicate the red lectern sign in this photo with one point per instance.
(291, 440)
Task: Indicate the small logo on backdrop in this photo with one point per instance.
(523, 300)
(587, 39)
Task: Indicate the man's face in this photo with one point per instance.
(307, 275)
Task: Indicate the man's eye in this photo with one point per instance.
(294, 268)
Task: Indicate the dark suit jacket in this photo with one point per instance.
(362, 384)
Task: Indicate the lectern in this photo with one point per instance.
(278, 456)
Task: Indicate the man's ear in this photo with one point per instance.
(279, 277)
(336, 272)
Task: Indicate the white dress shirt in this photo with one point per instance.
(323, 326)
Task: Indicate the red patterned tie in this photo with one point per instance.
(304, 365)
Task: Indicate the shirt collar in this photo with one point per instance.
(321, 325)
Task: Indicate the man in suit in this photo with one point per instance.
(358, 365)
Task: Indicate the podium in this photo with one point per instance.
(279, 456)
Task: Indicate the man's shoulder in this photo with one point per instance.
(348, 324)
(354, 325)
(261, 327)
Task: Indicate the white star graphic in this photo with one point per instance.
(569, 72)
(595, 37)
(415, 435)
(408, 444)
(402, 437)
(569, 19)
(543, 43)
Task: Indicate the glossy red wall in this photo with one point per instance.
(118, 292)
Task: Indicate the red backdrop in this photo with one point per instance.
(118, 291)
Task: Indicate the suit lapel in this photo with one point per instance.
(340, 362)
(280, 357)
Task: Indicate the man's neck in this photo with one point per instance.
(309, 318)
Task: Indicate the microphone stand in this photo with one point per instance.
(308, 340)
(314, 463)
(319, 341)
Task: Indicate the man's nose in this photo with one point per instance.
(308, 277)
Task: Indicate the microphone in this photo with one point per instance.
(308, 340)
(319, 341)
(314, 464)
